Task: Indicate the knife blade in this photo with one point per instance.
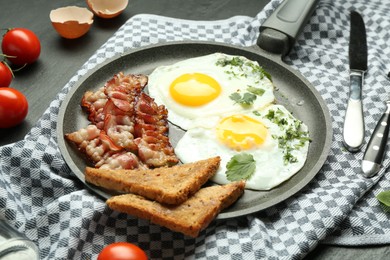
(376, 147)
(353, 130)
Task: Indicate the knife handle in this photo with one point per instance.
(375, 151)
(353, 131)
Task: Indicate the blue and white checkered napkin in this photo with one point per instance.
(40, 195)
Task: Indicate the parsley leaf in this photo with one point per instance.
(384, 197)
(240, 167)
(235, 97)
(256, 91)
(246, 99)
(249, 97)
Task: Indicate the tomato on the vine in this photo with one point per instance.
(21, 46)
(122, 251)
(13, 107)
(5, 75)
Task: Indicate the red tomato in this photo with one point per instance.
(122, 251)
(5, 75)
(21, 46)
(13, 107)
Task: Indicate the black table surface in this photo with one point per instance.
(61, 58)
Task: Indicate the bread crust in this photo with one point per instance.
(168, 185)
(190, 217)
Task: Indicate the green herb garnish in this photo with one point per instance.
(276, 117)
(245, 66)
(294, 138)
(384, 197)
(235, 62)
(256, 69)
(242, 67)
(240, 167)
(256, 113)
(246, 99)
(256, 91)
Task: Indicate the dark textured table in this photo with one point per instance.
(61, 58)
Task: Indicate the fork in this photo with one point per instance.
(376, 147)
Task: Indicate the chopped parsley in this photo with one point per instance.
(256, 113)
(235, 62)
(256, 69)
(240, 167)
(277, 117)
(244, 65)
(294, 137)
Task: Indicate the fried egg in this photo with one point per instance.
(209, 86)
(277, 142)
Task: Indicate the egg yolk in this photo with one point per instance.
(241, 132)
(194, 89)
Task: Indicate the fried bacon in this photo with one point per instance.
(128, 131)
(151, 132)
(100, 150)
(123, 90)
(122, 160)
(93, 103)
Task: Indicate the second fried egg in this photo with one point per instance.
(272, 138)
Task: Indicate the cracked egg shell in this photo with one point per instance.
(107, 8)
(71, 21)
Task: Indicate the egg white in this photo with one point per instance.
(201, 142)
(231, 79)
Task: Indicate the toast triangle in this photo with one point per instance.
(169, 185)
(190, 217)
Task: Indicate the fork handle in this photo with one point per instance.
(376, 148)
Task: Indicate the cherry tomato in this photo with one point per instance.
(122, 251)
(5, 75)
(21, 46)
(13, 107)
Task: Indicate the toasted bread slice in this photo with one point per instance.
(190, 217)
(171, 185)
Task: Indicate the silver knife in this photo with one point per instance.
(376, 147)
(353, 131)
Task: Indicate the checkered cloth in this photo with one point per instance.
(42, 197)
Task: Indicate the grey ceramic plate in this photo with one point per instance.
(293, 91)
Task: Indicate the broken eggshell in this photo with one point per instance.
(107, 8)
(71, 21)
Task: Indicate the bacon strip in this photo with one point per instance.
(129, 130)
(151, 132)
(93, 103)
(122, 160)
(122, 92)
(99, 148)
